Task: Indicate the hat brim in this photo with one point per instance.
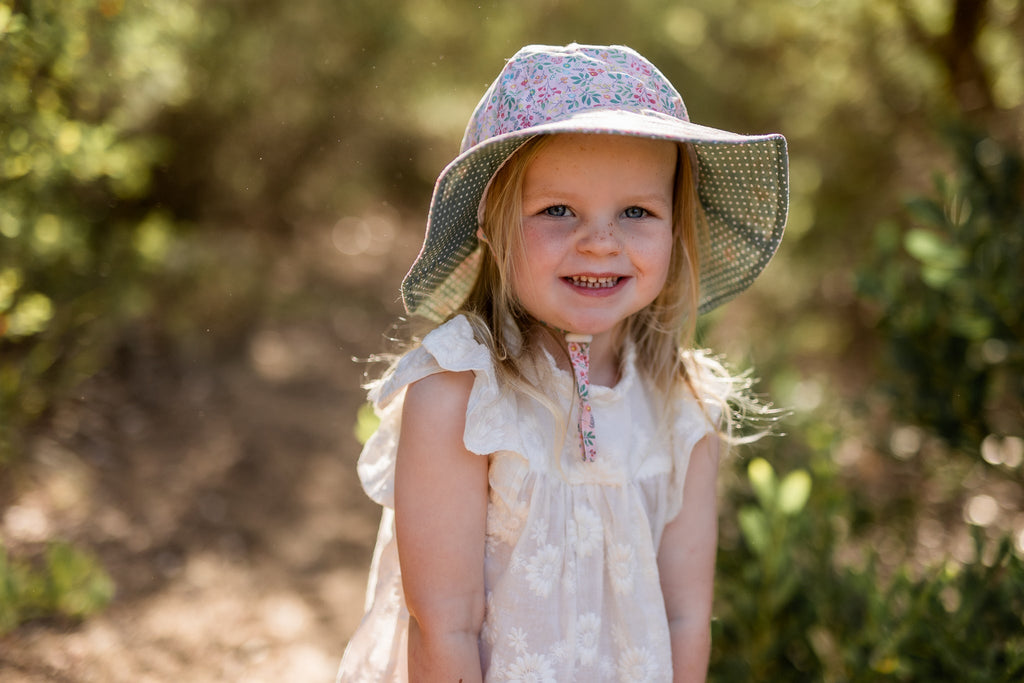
(742, 185)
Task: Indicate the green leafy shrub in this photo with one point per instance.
(948, 291)
(81, 237)
(788, 610)
(957, 622)
(70, 583)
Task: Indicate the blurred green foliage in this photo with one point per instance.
(68, 583)
(131, 133)
(827, 595)
(80, 232)
(788, 610)
(366, 423)
(949, 296)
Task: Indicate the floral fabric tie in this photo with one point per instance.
(579, 356)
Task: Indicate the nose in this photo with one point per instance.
(599, 237)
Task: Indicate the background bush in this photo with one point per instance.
(68, 583)
(83, 231)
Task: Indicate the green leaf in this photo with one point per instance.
(972, 325)
(763, 480)
(927, 211)
(794, 492)
(930, 249)
(10, 283)
(30, 316)
(79, 586)
(5, 18)
(366, 423)
(937, 277)
(754, 526)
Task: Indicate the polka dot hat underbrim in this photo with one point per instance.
(742, 179)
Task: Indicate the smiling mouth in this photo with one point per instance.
(591, 282)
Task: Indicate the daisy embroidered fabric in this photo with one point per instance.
(571, 579)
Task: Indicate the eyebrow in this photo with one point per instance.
(544, 195)
(652, 198)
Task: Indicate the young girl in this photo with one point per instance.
(547, 455)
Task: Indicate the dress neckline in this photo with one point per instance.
(565, 382)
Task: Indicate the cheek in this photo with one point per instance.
(520, 281)
(657, 257)
(540, 251)
(526, 267)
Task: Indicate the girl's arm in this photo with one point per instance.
(440, 516)
(686, 564)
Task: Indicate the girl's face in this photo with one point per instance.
(597, 230)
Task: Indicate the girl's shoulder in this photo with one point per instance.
(459, 384)
(436, 405)
(450, 347)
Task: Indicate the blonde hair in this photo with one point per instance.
(663, 332)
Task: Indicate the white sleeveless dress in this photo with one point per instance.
(570, 572)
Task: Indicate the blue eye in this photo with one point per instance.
(558, 211)
(635, 212)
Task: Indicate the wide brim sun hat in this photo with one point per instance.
(743, 180)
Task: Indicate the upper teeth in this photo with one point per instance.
(594, 282)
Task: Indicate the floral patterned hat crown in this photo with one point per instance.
(742, 180)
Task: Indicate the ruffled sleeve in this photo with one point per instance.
(490, 413)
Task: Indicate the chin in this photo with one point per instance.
(591, 327)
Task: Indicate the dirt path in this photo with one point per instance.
(220, 495)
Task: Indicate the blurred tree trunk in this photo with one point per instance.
(957, 51)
